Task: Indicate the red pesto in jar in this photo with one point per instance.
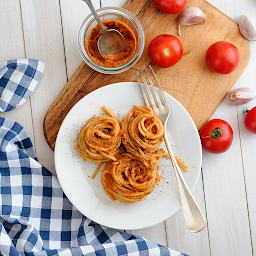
(115, 60)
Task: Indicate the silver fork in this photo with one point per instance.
(193, 216)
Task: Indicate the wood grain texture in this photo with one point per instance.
(43, 41)
(155, 233)
(179, 238)
(190, 81)
(225, 194)
(12, 47)
(226, 177)
(72, 15)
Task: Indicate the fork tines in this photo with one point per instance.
(150, 95)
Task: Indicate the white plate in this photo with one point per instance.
(88, 196)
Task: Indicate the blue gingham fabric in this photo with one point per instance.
(36, 218)
(18, 79)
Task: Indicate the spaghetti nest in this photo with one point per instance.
(142, 135)
(100, 139)
(128, 179)
(130, 152)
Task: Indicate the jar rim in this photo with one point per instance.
(140, 38)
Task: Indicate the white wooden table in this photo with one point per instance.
(226, 192)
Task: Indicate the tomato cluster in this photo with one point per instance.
(217, 135)
(166, 50)
(221, 57)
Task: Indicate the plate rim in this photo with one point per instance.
(192, 187)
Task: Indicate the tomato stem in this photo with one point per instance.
(167, 51)
(215, 133)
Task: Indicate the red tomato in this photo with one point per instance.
(165, 50)
(222, 57)
(216, 136)
(250, 120)
(170, 6)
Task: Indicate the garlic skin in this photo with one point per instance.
(247, 29)
(191, 16)
(241, 96)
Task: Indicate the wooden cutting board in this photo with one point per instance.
(190, 81)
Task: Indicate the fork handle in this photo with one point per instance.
(193, 216)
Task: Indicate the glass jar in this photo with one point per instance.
(111, 13)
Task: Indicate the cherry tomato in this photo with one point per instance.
(250, 120)
(216, 136)
(170, 6)
(222, 57)
(165, 50)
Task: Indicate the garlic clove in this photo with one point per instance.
(191, 16)
(241, 96)
(247, 29)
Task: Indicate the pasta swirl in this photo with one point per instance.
(142, 135)
(128, 179)
(99, 139)
(130, 153)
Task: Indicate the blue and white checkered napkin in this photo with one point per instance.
(36, 218)
(18, 79)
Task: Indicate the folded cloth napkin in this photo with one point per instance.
(18, 79)
(36, 218)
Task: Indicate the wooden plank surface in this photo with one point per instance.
(72, 17)
(228, 180)
(12, 47)
(190, 81)
(225, 195)
(43, 41)
(179, 238)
